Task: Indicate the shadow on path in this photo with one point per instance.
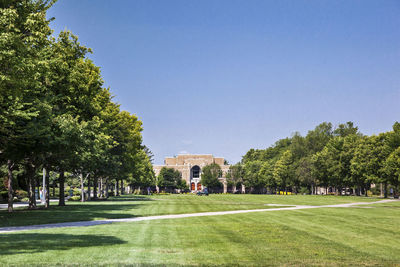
(33, 243)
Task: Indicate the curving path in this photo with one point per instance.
(176, 216)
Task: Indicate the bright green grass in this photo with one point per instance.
(133, 206)
(322, 237)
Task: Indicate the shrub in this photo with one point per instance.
(304, 190)
(77, 192)
(74, 198)
(25, 199)
(21, 194)
(57, 191)
(136, 192)
(376, 190)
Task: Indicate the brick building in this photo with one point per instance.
(190, 166)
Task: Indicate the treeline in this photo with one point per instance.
(338, 160)
(55, 113)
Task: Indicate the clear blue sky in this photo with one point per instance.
(221, 77)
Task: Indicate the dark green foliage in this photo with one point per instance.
(210, 175)
(326, 157)
(170, 179)
(54, 111)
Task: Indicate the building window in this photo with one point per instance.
(196, 172)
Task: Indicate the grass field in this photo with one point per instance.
(132, 206)
(325, 236)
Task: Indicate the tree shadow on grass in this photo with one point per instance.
(131, 198)
(70, 213)
(33, 243)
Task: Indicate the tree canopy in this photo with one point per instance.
(56, 114)
(339, 158)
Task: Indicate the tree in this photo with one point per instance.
(252, 178)
(345, 129)
(392, 169)
(284, 171)
(169, 179)
(24, 35)
(305, 175)
(143, 174)
(369, 159)
(319, 137)
(235, 175)
(210, 175)
(266, 175)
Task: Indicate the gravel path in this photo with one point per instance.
(176, 216)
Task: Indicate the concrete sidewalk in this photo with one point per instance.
(176, 216)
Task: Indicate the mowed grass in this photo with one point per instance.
(129, 206)
(318, 237)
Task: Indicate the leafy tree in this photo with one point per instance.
(169, 179)
(345, 129)
(266, 174)
(319, 137)
(369, 159)
(305, 175)
(283, 171)
(24, 35)
(210, 175)
(392, 169)
(252, 178)
(235, 175)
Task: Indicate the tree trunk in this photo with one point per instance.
(381, 190)
(94, 187)
(107, 188)
(54, 189)
(32, 193)
(31, 181)
(89, 190)
(10, 185)
(82, 189)
(116, 188)
(47, 196)
(61, 180)
(385, 190)
(101, 188)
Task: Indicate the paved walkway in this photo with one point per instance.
(176, 216)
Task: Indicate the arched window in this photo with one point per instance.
(196, 172)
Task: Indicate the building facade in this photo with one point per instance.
(190, 166)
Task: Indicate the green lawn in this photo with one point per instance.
(321, 237)
(133, 206)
